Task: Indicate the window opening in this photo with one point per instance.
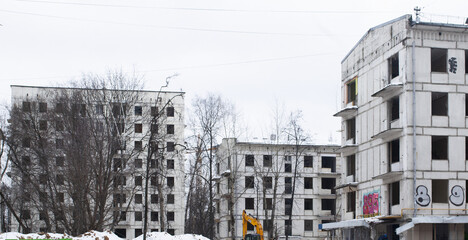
(439, 104)
(440, 147)
(438, 60)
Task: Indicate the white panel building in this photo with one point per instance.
(404, 133)
(37, 102)
(248, 173)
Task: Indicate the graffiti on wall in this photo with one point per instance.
(370, 203)
(453, 65)
(457, 195)
(422, 196)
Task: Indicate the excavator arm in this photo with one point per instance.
(258, 226)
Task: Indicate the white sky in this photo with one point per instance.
(252, 52)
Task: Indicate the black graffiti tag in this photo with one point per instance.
(422, 198)
(457, 196)
(453, 65)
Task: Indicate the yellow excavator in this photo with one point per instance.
(246, 218)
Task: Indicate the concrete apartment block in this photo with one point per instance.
(404, 133)
(138, 124)
(246, 175)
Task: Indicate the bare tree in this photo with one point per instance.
(70, 158)
(208, 116)
(297, 136)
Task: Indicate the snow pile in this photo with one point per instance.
(167, 236)
(96, 235)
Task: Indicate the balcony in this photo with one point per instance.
(389, 91)
(390, 133)
(347, 112)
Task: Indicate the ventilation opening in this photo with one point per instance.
(438, 60)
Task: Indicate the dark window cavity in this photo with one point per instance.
(440, 147)
(439, 104)
(438, 60)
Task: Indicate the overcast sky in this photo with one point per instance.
(251, 52)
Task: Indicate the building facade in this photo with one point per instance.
(98, 151)
(404, 133)
(259, 178)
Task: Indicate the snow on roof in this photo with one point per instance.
(96, 235)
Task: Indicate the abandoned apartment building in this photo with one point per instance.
(404, 141)
(137, 130)
(248, 174)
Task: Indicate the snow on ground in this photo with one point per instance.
(96, 235)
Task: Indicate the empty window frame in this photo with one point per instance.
(308, 161)
(170, 146)
(170, 182)
(267, 182)
(154, 111)
(393, 67)
(138, 216)
(351, 202)
(138, 232)
(268, 204)
(171, 231)
(288, 206)
(138, 110)
(42, 107)
(466, 149)
(154, 128)
(440, 231)
(43, 125)
(394, 108)
(308, 183)
(154, 198)
(121, 232)
(138, 163)
(170, 164)
(394, 193)
(170, 198)
(170, 111)
(287, 227)
(26, 106)
(439, 101)
(249, 203)
(466, 105)
(351, 129)
(329, 183)
(287, 185)
(250, 227)
(138, 128)
(138, 198)
(287, 167)
(308, 225)
(59, 143)
(329, 162)
(249, 160)
(394, 151)
(351, 165)
(466, 61)
(59, 161)
(329, 204)
(440, 191)
(138, 180)
(438, 60)
(267, 160)
(308, 204)
(351, 91)
(154, 181)
(439, 147)
(138, 145)
(154, 216)
(249, 182)
(170, 129)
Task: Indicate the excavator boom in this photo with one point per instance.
(258, 227)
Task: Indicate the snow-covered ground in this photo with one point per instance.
(95, 235)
